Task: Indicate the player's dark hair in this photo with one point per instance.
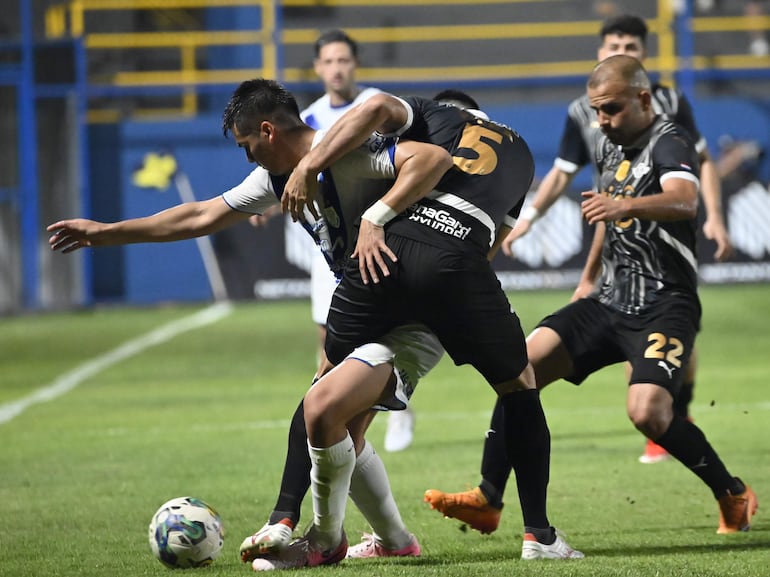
(458, 96)
(625, 25)
(335, 35)
(257, 100)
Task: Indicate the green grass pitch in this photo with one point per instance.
(206, 414)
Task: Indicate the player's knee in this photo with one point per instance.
(525, 381)
(650, 408)
(318, 411)
(650, 421)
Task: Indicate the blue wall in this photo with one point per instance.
(174, 271)
(168, 271)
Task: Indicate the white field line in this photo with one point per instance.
(72, 379)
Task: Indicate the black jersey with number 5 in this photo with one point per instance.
(492, 172)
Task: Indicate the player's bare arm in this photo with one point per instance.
(677, 201)
(419, 167)
(711, 191)
(551, 188)
(500, 237)
(184, 221)
(592, 266)
(382, 112)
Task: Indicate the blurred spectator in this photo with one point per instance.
(605, 8)
(758, 45)
(705, 5)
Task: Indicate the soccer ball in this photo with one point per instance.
(186, 532)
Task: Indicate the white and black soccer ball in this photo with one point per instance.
(186, 532)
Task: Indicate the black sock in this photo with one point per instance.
(683, 399)
(528, 445)
(545, 536)
(688, 444)
(296, 472)
(495, 466)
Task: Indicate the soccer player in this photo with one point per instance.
(389, 539)
(645, 216)
(627, 34)
(264, 118)
(335, 63)
(432, 269)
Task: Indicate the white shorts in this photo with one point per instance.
(413, 349)
(322, 285)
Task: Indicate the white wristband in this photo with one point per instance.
(379, 213)
(529, 213)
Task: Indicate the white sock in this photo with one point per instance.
(370, 491)
(330, 482)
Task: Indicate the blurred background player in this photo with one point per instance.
(758, 44)
(335, 63)
(627, 34)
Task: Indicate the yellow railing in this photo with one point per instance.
(62, 20)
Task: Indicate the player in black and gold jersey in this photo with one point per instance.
(627, 34)
(646, 310)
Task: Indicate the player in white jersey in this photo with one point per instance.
(336, 58)
(335, 62)
(265, 121)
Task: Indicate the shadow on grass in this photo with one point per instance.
(655, 549)
(497, 554)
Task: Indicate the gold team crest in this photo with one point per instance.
(622, 172)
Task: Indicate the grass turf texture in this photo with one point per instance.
(206, 414)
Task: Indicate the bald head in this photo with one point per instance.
(621, 69)
(620, 93)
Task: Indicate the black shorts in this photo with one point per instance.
(657, 343)
(457, 296)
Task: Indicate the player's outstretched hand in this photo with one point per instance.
(300, 192)
(370, 248)
(70, 235)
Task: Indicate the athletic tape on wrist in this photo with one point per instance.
(379, 213)
(529, 213)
